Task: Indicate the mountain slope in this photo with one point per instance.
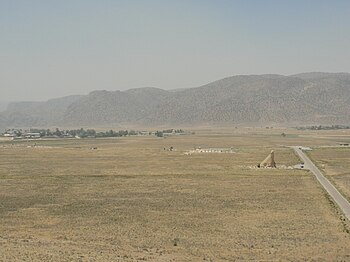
(3, 105)
(314, 98)
(34, 114)
(103, 107)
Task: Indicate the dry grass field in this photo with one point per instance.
(131, 200)
(335, 162)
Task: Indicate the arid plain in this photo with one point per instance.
(128, 199)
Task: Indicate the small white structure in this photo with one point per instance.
(10, 135)
(214, 150)
(211, 150)
(32, 135)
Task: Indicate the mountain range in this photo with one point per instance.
(307, 98)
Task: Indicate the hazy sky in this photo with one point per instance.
(55, 48)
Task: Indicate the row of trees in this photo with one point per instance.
(320, 127)
(88, 132)
(83, 133)
(168, 131)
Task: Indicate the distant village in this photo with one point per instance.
(88, 133)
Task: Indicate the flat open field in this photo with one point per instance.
(335, 162)
(131, 200)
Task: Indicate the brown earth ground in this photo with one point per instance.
(131, 200)
(335, 163)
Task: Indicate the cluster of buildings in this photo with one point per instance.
(15, 133)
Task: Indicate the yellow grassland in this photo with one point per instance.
(131, 200)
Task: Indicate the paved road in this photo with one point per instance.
(332, 191)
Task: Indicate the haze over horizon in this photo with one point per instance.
(54, 49)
